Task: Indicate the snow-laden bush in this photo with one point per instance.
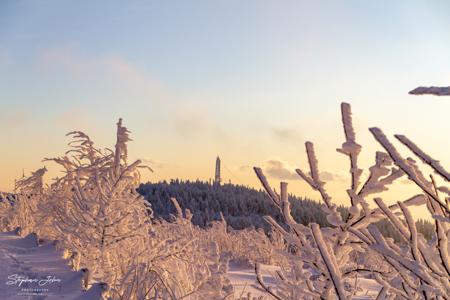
(325, 263)
(104, 225)
(180, 264)
(96, 212)
(246, 246)
(23, 209)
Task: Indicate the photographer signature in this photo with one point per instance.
(18, 280)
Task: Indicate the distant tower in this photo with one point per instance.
(217, 178)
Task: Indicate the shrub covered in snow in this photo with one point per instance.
(324, 266)
(23, 209)
(105, 225)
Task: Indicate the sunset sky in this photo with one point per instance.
(250, 81)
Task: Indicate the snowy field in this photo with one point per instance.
(31, 272)
(244, 281)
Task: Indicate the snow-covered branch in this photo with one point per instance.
(414, 269)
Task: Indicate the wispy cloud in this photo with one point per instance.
(244, 168)
(278, 170)
(150, 87)
(332, 176)
(191, 119)
(63, 58)
(118, 70)
(153, 163)
(189, 115)
(286, 134)
(15, 118)
(75, 118)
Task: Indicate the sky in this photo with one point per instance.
(249, 81)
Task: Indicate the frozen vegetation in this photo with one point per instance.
(93, 221)
(244, 207)
(431, 90)
(329, 259)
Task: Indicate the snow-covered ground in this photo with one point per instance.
(244, 281)
(29, 271)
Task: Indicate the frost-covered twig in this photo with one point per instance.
(314, 179)
(431, 90)
(424, 157)
(262, 178)
(413, 173)
(260, 280)
(350, 147)
(330, 261)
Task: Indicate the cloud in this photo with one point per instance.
(150, 87)
(14, 119)
(115, 69)
(244, 168)
(189, 116)
(328, 176)
(191, 119)
(152, 163)
(63, 59)
(332, 176)
(278, 170)
(286, 134)
(75, 118)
